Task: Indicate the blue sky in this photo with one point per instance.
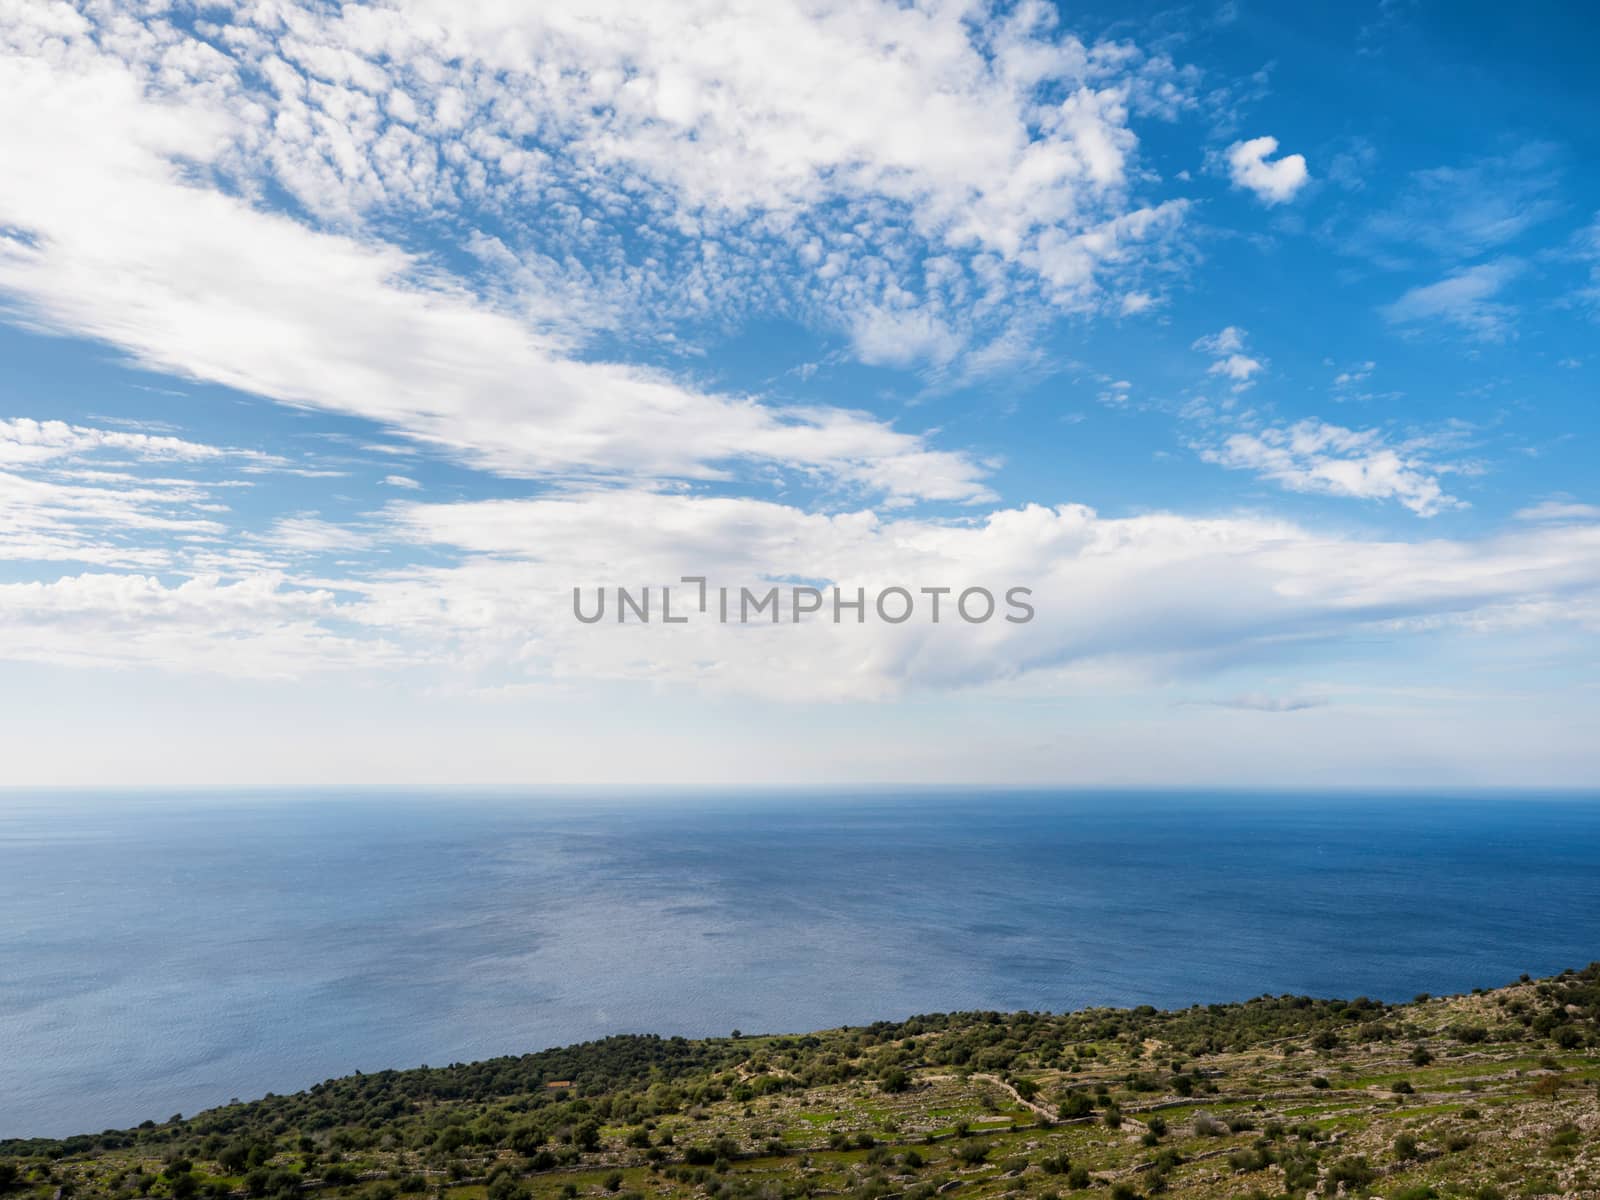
(337, 345)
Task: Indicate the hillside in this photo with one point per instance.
(1492, 1094)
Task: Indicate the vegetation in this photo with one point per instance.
(1483, 1097)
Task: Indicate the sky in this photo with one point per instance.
(340, 344)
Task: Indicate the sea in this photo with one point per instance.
(164, 953)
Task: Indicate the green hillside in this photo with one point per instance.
(1492, 1094)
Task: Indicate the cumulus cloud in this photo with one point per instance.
(1230, 362)
(1272, 180)
(1315, 456)
(255, 627)
(1160, 597)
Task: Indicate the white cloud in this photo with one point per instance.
(76, 493)
(1274, 181)
(1459, 212)
(1559, 510)
(1231, 363)
(1464, 298)
(195, 282)
(311, 535)
(111, 521)
(1237, 367)
(1257, 702)
(801, 158)
(255, 627)
(1314, 456)
(1229, 341)
(902, 339)
(401, 481)
(1160, 597)
(25, 441)
(1584, 247)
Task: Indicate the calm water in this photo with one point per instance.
(166, 954)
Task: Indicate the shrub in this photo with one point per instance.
(972, 1152)
(504, 1185)
(1354, 1171)
(1248, 1160)
(1076, 1104)
(1055, 1164)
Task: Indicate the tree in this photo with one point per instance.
(587, 1135)
(1076, 1104)
(504, 1185)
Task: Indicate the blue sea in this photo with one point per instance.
(163, 954)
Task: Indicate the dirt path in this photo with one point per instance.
(1042, 1110)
